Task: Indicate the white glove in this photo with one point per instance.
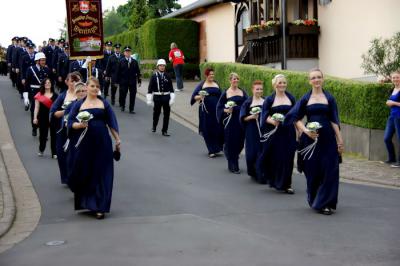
(172, 99)
(87, 61)
(149, 99)
(26, 100)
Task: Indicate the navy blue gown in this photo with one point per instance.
(233, 131)
(275, 164)
(61, 136)
(91, 177)
(209, 127)
(252, 137)
(322, 169)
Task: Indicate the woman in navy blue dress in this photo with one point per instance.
(207, 94)
(57, 117)
(393, 122)
(228, 110)
(249, 117)
(321, 164)
(80, 93)
(93, 168)
(275, 165)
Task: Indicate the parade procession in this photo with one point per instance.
(262, 156)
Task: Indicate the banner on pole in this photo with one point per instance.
(85, 28)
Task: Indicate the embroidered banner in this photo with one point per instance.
(85, 28)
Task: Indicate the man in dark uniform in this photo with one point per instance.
(49, 51)
(101, 65)
(128, 75)
(63, 65)
(76, 66)
(34, 77)
(57, 53)
(161, 92)
(16, 60)
(10, 50)
(111, 70)
(27, 61)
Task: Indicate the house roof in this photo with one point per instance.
(193, 6)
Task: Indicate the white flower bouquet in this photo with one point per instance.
(84, 116)
(66, 118)
(278, 117)
(313, 126)
(308, 151)
(203, 93)
(65, 105)
(255, 110)
(230, 104)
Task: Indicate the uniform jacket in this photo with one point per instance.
(111, 68)
(34, 77)
(128, 74)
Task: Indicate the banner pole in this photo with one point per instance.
(90, 69)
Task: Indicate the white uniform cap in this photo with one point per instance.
(39, 56)
(161, 62)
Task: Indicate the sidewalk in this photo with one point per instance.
(352, 169)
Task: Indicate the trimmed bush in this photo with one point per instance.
(190, 71)
(153, 39)
(360, 104)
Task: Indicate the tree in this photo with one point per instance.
(139, 15)
(159, 8)
(383, 56)
(112, 23)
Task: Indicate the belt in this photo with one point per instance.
(35, 86)
(161, 93)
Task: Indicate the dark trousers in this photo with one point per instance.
(113, 91)
(123, 91)
(161, 102)
(32, 106)
(44, 127)
(19, 84)
(106, 86)
(392, 126)
(178, 69)
(13, 77)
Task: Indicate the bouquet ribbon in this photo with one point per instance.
(203, 107)
(266, 136)
(227, 120)
(309, 150)
(81, 137)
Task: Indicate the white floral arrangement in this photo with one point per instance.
(84, 116)
(203, 93)
(278, 117)
(230, 104)
(66, 104)
(255, 110)
(313, 126)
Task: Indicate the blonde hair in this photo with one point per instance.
(276, 78)
(233, 75)
(173, 45)
(397, 71)
(94, 80)
(315, 70)
(79, 85)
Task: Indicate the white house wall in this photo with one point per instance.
(347, 27)
(220, 32)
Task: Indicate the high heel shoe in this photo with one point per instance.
(100, 215)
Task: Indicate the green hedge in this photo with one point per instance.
(360, 104)
(153, 39)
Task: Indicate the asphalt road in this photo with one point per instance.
(172, 205)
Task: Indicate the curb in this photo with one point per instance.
(392, 184)
(24, 211)
(9, 208)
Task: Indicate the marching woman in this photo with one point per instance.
(249, 117)
(92, 175)
(57, 117)
(228, 110)
(275, 164)
(68, 147)
(43, 101)
(321, 144)
(207, 94)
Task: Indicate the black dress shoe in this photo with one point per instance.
(326, 211)
(112, 102)
(100, 216)
(122, 109)
(34, 132)
(132, 112)
(289, 191)
(165, 134)
(153, 130)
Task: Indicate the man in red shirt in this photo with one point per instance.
(177, 58)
